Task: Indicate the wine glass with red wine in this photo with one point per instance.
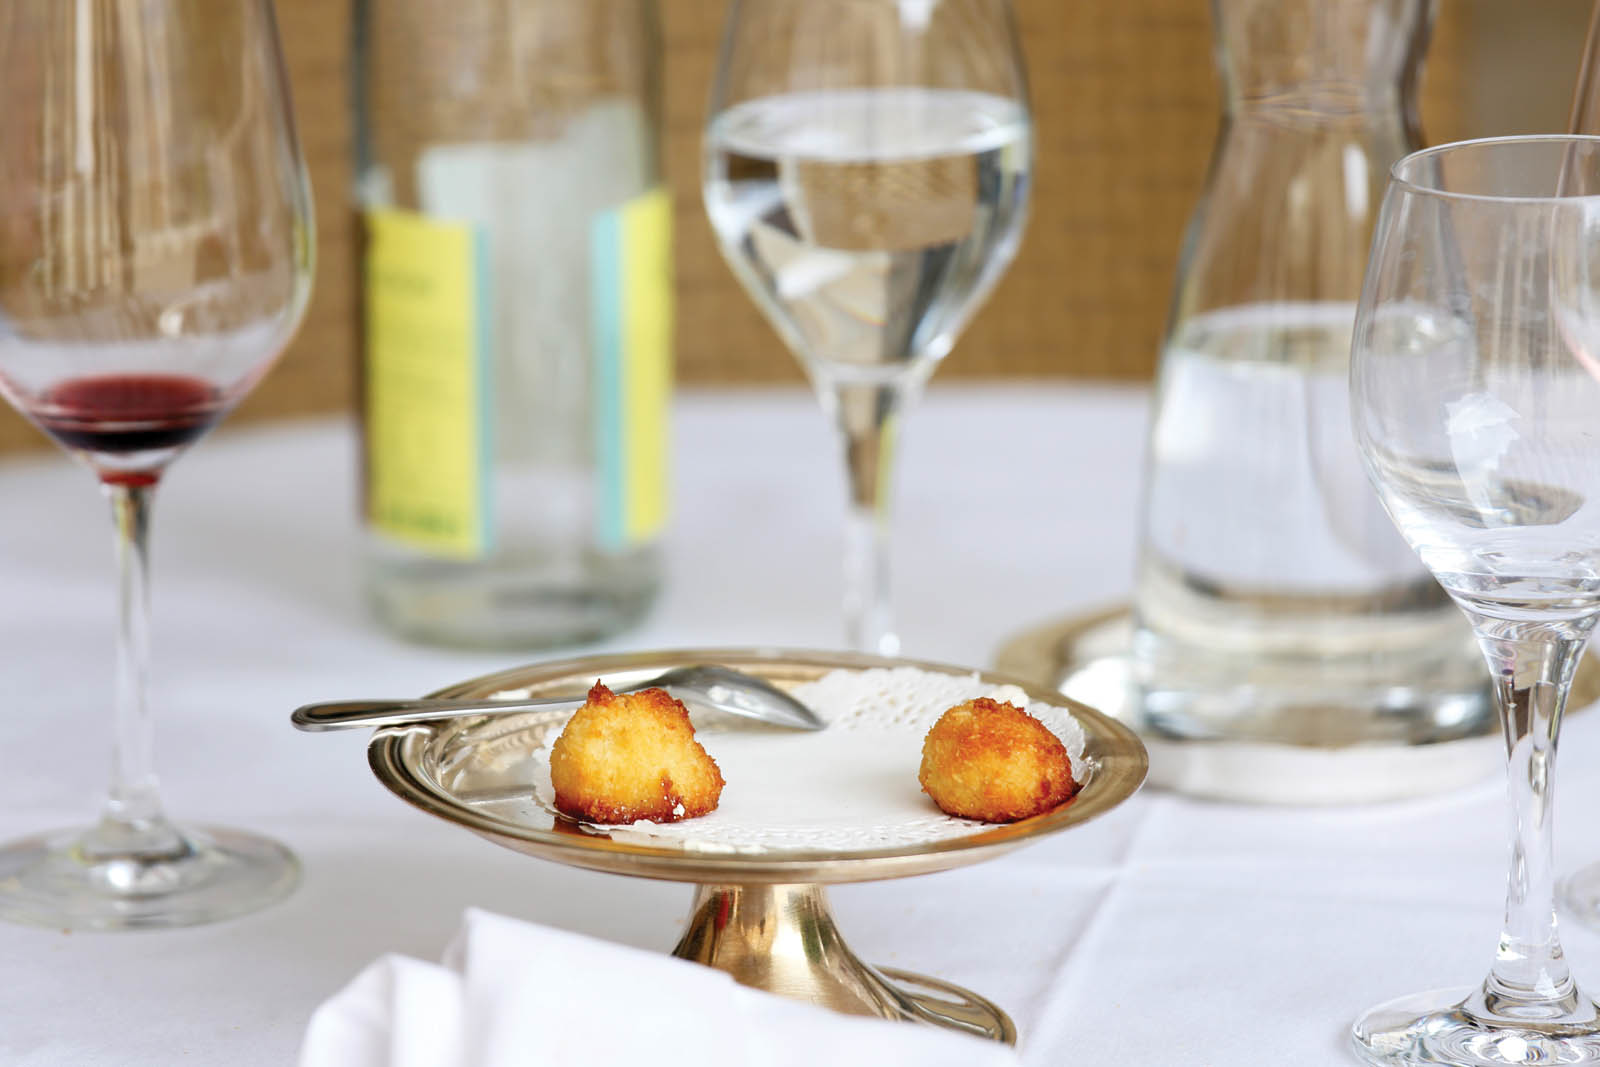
(155, 258)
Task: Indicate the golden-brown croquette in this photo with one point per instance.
(624, 758)
(995, 762)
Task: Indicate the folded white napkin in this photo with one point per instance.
(512, 993)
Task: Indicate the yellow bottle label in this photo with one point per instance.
(632, 307)
(427, 349)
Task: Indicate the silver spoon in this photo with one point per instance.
(719, 688)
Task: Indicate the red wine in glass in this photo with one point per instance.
(119, 415)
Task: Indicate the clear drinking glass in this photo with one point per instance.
(1474, 387)
(867, 167)
(155, 257)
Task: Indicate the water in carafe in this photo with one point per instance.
(1274, 600)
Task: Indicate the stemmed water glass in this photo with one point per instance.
(155, 257)
(1475, 383)
(867, 166)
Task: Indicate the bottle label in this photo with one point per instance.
(631, 293)
(428, 360)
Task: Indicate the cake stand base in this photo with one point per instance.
(782, 939)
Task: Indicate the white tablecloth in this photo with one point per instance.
(1169, 932)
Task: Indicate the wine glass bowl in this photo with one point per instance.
(1497, 491)
(156, 251)
(858, 217)
(867, 169)
(155, 258)
(1473, 392)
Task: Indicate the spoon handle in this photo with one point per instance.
(369, 714)
(719, 688)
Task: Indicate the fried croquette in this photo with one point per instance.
(630, 757)
(994, 762)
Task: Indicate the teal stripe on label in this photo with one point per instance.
(605, 300)
(482, 279)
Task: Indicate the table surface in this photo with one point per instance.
(1170, 931)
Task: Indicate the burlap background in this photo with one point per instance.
(1126, 107)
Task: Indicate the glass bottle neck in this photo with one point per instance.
(1320, 62)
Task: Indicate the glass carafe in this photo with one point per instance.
(1274, 600)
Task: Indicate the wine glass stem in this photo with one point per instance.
(133, 821)
(1532, 665)
(867, 415)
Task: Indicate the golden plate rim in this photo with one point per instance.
(395, 754)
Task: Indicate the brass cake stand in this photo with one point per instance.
(761, 916)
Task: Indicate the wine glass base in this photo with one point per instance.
(1435, 1028)
(212, 874)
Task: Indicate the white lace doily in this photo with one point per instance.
(851, 787)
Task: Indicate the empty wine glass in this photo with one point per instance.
(867, 166)
(155, 257)
(1475, 383)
